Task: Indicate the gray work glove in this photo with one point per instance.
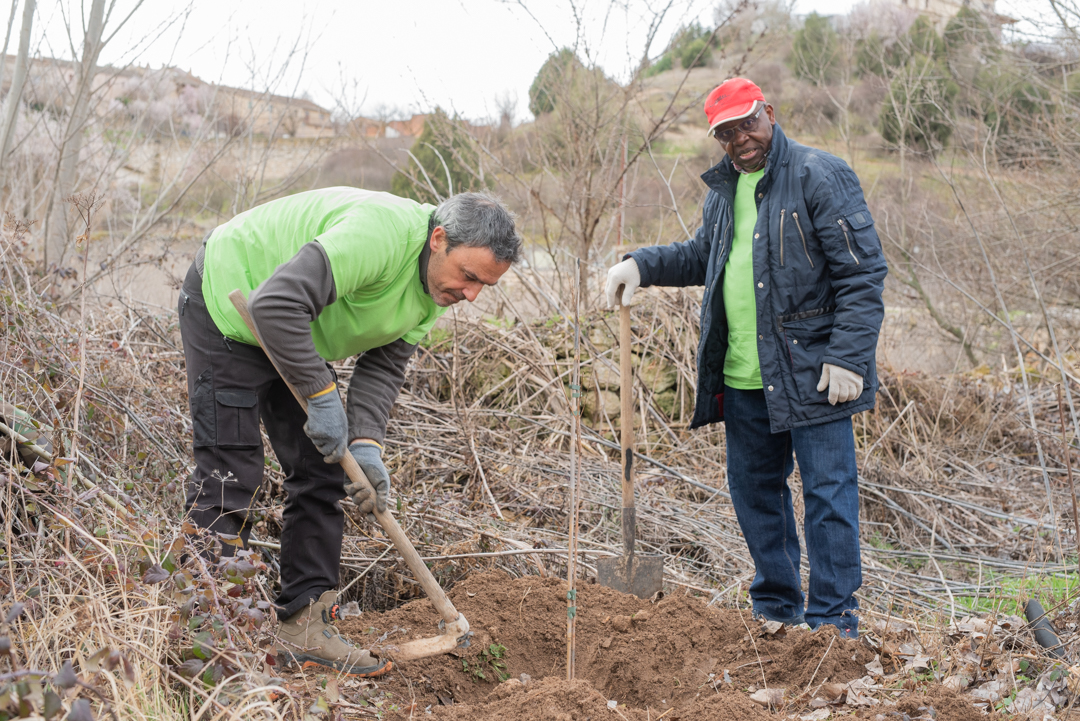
(368, 456)
(843, 384)
(327, 426)
(625, 274)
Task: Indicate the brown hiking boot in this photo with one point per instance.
(307, 638)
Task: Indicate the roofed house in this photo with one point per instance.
(275, 115)
(410, 128)
(378, 128)
(941, 11)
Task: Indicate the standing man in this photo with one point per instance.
(793, 274)
(330, 274)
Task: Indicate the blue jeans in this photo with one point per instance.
(758, 464)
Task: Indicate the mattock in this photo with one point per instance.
(454, 629)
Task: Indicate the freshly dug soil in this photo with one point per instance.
(945, 703)
(648, 657)
(556, 699)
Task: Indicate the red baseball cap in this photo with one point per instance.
(732, 100)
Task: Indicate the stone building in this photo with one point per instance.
(940, 11)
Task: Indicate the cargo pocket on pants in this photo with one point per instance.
(237, 418)
(227, 418)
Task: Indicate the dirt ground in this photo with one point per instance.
(636, 660)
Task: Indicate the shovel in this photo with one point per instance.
(453, 626)
(640, 575)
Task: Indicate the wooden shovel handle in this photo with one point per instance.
(626, 426)
(353, 471)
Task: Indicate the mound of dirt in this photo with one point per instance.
(556, 699)
(677, 656)
(939, 702)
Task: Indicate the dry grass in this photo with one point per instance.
(953, 503)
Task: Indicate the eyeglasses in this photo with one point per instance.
(746, 126)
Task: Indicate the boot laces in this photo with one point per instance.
(331, 614)
(334, 614)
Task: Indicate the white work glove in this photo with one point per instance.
(625, 274)
(843, 385)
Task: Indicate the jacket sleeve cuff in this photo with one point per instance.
(646, 281)
(312, 387)
(833, 360)
(368, 430)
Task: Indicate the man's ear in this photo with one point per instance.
(769, 111)
(438, 239)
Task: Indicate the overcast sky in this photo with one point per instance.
(378, 55)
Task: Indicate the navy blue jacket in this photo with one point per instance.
(818, 276)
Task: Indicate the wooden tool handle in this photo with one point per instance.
(352, 469)
(626, 425)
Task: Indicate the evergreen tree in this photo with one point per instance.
(443, 148)
(969, 31)
(916, 110)
(922, 92)
(662, 65)
(690, 45)
(695, 54)
(815, 51)
(1001, 89)
(553, 78)
(921, 39)
(1014, 103)
(870, 54)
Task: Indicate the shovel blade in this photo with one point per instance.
(642, 576)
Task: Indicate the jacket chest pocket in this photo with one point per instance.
(791, 224)
(806, 337)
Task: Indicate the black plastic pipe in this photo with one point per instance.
(1044, 632)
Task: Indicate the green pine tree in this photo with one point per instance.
(442, 149)
(815, 51)
(916, 110)
(552, 80)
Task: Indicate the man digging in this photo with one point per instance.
(793, 274)
(330, 274)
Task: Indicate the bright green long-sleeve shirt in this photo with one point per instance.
(741, 366)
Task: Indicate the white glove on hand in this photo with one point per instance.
(625, 274)
(843, 385)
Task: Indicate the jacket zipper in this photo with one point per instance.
(843, 227)
(719, 257)
(782, 211)
(723, 239)
(804, 248)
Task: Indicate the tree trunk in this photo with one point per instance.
(7, 40)
(18, 80)
(56, 224)
(583, 272)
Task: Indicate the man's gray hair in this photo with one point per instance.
(479, 220)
